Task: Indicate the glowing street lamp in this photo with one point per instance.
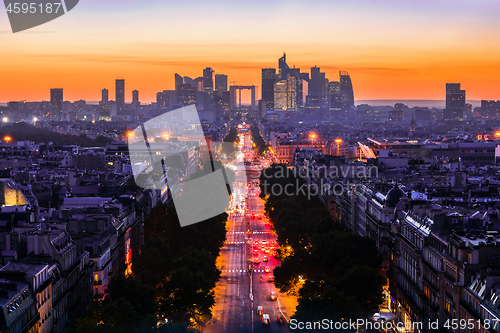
(5, 119)
(497, 134)
(313, 136)
(7, 139)
(166, 136)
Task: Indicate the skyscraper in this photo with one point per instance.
(120, 95)
(280, 95)
(105, 96)
(56, 102)
(178, 80)
(283, 67)
(135, 98)
(285, 94)
(268, 80)
(220, 83)
(346, 92)
(455, 102)
(208, 78)
(186, 94)
(335, 102)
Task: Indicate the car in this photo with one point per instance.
(281, 319)
(263, 242)
(265, 259)
(255, 252)
(267, 269)
(266, 320)
(256, 261)
(273, 296)
(270, 278)
(266, 250)
(259, 310)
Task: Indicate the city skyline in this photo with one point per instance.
(433, 43)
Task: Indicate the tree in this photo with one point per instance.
(128, 307)
(187, 297)
(154, 262)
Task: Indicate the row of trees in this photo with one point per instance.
(260, 144)
(26, 132)
(231, 138)
(340, 270)
(173, 279)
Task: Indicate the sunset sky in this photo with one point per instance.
(393, 49)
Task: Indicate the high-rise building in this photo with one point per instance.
(455, 102)
(208, 78)
(268, 80)
(346, 91)
(283, 67)
(178, 80)
(56, 103)
(186, 94)
(318, 85)
(220, 83)
(165, 99)
(105, 96)
(280, 95)
(335, 102)
(490, 109)
(120, 95)
(135, 98)
(285, 94)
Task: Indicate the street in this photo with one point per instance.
(240, 291)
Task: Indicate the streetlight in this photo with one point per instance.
(7, 139)
(313, 136)
(497, 134)
(5, 119)
(166, 136)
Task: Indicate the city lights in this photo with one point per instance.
(7, 139)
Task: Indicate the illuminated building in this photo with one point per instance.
(165, 99)
(455, 102)
(490, 109)
(186, 94)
